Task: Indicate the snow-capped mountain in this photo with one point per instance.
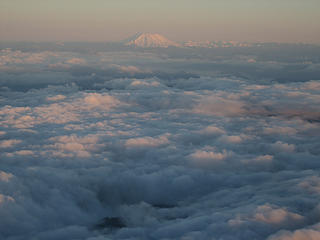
(149, 40)
(155, 40)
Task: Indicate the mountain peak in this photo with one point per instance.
(150, 40)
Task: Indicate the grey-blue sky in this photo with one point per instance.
(99, 20)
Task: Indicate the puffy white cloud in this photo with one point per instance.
(213, 130)
(4, 199)
(5, 176)
(74, 145)
(56, 98)
(273, 215)
(129, 69)
(101, 101)
(9, 143)
(280, 130)
(208, 157)
(147, 141)
(233, 139)
(285, 147)
(8, 57)
(24, 152)
(311, 184)
(80, 61)
(219, 106)
(312, 233)
(264, 158)
(205, 155)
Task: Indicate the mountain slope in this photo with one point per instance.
(149, 40)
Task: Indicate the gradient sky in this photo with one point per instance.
(110, 20)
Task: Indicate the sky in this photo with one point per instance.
(179, 20)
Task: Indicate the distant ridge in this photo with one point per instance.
(150, 40)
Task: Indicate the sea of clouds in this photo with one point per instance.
(143, 145)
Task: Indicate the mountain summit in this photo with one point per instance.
(149, 40)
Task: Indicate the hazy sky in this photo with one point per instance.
(109, 20)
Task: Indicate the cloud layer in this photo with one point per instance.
(128, 146)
